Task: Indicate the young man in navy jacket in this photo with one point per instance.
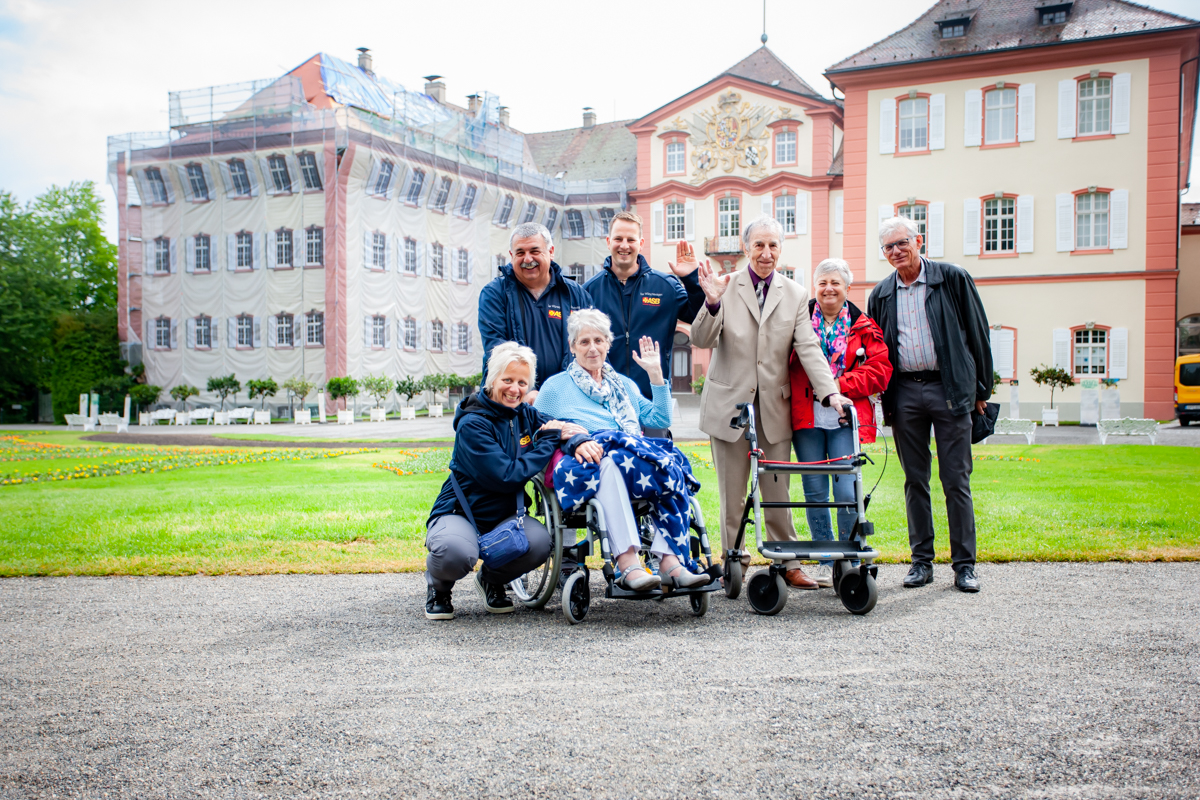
(641, 301)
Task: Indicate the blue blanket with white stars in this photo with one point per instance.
(654, 469)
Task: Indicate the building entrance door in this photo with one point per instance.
(681, 363)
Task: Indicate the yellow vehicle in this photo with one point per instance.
(1187, 389)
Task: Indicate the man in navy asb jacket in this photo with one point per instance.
(641, 301)
(530, 303)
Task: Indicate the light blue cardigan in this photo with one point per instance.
(560, 398)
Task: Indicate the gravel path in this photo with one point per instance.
(1057, 681)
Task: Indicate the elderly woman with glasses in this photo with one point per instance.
(592, 394)
(858, 359)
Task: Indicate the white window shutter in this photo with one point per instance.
(801, 213)
(257, 239)
(272, 249)
(1062, 348)
(148, 341)
(297, 248)
(147, 256)
(839, 206)
(231, 252)
(430, 179)
(388, 258)
(1025, 223)
(208, 179)
(174, 335)
(257, 331)
(189, 254)
(887, 126)
(252, 176)
(214, 332)
(971, 209)
(1118, 236)
(1026, 112)
(937, 122)
(935, 243)
(1066, 109)
(689, 220)
(367, 331)
(231, 325)
(367, 246)
(226, 178)
(190, 333)
(768, 206)
(173, 250)
(656, 212)
(1118, 353)
(470, 267)
(387, 333)
(373, 176)
(429, 260)
(297, 180)
(973, 118)
(885, 212)
(268, 181)
(1122, 88)
(1002, 352)
(181, 170)
(408, 179)
(420, 248)
(1064, 223)
(272, 332)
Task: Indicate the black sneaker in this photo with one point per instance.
(495, 599)
(437, 604)
(965, 579)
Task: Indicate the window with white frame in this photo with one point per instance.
(437, 336)
(279, 173)
(245, 250)
(462, 265)
(1095, 107)
(1091, 221)
(914, 124)
(999, 225)
(530, 212)
(918, 213)
(675, 222)
(506, 208)
(410, 333)
(501, 260)
(1000, 116)
(551, 219)
(162, 333)
(675, 163)
(785, 147)
(284, 332)
(462, 337)
(379, 251)
(729, 218)
(1091, 352)
(204, 332)
(378, 331)
(441, 194)
(415, 186)
(245, 331)
(789, 272)
(383, 180)
(410, 257)
(202, 252)
(239, 177)
(575, 272)
(314, 247)
(437, 264)
(606, 218)
(197, 182)
(785, 212)
(314, 328)
(308, 169)
(467, 204)
(283, 248)
(574, 224)
(162, 255)
(158, 187)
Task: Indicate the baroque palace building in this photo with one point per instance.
(330, 222)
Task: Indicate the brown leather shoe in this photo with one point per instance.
(797, 579)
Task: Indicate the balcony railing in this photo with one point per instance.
(722, 246)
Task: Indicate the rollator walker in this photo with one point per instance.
(767, 590)
(566, 568)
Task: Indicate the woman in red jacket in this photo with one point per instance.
(858, 358)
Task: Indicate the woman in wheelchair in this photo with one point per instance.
(595, 396)
(499, 444)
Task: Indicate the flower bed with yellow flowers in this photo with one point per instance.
(417, 462)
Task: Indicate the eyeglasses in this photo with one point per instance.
(887, 248)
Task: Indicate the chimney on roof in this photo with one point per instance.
(364, 60)
(435, 88)
(473, 103)
(589, 117)
(504, 116)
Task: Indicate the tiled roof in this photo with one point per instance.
(763, 66)
(835, 166)
(1006, 25)
(1190, 214)
(605, 150)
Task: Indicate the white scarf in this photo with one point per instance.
(610, 393)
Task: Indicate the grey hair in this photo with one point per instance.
(833, 265)
(764, 221)
(505, 354)
(527, 229)
(895, 223)
(588, 318)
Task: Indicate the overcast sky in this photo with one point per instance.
(73, 72)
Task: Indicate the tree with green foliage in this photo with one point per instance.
(434, 383)
(300, 387)
(342, 387)
(377, 386)
(182, 392)
(1054, 377)
(263, 389)
(224, 386)
(409, 387)
(145, 394)
(85, 356)
(996, 380)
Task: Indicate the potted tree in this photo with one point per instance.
(377, 386)
(299, 388)
(223, 386)
(435, 383)
(340, 388)
(144, 394)
(408, 387)
(262, 389)
(181, 393)
(1055, 378)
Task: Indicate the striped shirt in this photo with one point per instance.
(916, 340)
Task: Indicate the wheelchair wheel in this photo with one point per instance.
(733, 578)
(535, 588)
(577, 597)
(767, 593)
(858, 592)
(700, 603)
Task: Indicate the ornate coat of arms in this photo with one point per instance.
(732, 136)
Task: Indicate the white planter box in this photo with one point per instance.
(304, 417)
(345, 417)
(262, 417)
(378, 415)
(435, 410)
(221, 418)
(408, 413)
(143, 418)
(1049, 417)
(183, 418)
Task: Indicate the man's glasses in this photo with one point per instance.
(887, 248)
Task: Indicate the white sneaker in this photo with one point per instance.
(824, 575)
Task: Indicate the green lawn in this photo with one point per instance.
(343, 515)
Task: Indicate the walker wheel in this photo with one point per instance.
(767, 593)
(733, 578)
(577, 597)
(700, 603)
(858, 591)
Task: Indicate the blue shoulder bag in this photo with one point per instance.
(504, 544)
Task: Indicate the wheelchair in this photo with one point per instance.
(566, 568)
(767, 590)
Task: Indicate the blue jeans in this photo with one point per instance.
(818, 444)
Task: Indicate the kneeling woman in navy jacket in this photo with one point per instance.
(499, 444)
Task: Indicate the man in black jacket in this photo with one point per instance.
(937, 336)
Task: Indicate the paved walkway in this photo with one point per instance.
(1073, 681)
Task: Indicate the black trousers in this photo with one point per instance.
(918, 407)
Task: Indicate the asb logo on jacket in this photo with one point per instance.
(525, 440)
(554, 313)
(651, 301)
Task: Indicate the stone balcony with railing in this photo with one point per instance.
(722, 246)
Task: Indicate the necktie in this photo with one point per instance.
(761, 291)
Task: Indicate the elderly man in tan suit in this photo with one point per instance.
(752, 320)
